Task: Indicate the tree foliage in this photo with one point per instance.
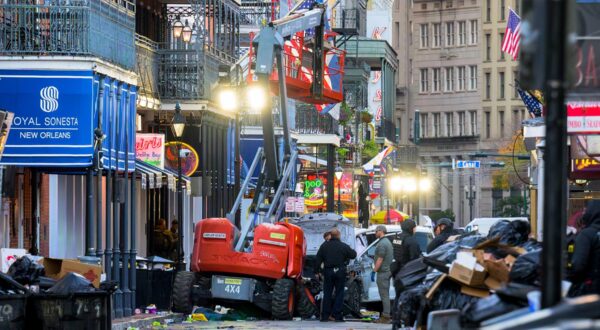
(437, 215)
(514, 206)
(506, 177)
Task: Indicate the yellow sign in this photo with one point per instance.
(580, 164)
(236, 281)
(277, 235)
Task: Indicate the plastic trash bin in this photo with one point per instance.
(12, 311)
(85, 310)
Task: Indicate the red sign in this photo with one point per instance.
(189, 160)
(583, 117)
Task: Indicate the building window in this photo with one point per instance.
(488, 10)
(449, 34)
(461, 123)
(424, 35)
(488, 47)
(436, 79)
(436, 125)
(473, 123)
(518, 6)
(487, 124)
(474, 32)
(424, 80)
(515, 78)
(462, 33)
(502, 9)
(449, 80)
(449, 124)
(437, 35)
(501, 84)
(501, 52)
(522, 115)
(487, 86)
(424, 126)
(516, 120)
(396, 35)
(501, 121)
(472, 77)
(462, 72)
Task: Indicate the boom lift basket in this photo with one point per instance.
(299, 77)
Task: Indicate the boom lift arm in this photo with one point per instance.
(274, 177)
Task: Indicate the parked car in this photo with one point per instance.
(363, 264)
(482, 225)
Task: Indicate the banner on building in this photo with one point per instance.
(379, 22)
(150, 148)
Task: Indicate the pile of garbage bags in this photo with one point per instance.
(491, 277)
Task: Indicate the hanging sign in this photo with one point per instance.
(189, 158)
(158, 180)
(290, 203)
(150, 148)
(314, 192)
(151, 181)
(299, 205)
(144, 185)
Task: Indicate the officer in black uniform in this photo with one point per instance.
(585, 263)
(443, 230)
(334, 255)
(406, 247)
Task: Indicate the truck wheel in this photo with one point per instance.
(307, 306)
(282, 303)
(353, 298)
(182, 292)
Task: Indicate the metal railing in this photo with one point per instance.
(146, 67)
(309, 121)
(101, 28)
(347, 21)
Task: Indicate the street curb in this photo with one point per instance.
(145, 323)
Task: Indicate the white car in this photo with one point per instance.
(482, 225)
(364, 263)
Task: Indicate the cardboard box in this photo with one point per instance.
(470, 276)
(480, 293)
(8, 256)
(58, 268)
(492, 283)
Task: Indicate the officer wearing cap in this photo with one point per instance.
(444, 228)
(384, 255)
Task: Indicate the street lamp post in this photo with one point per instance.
(338, 175)
(178, 124)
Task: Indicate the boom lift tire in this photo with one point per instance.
(306, 307)
(283, 299)
(182, 292)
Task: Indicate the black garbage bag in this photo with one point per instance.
(25, 271)
(72, 283)
(448, 296)
(411, 274)
(511, 232)
(447, 252)
(408, 305)
(526, 269)
(485, 309)
(46, 282)
(10, 286)
(516, 293)
(531, 245)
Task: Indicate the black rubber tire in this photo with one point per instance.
(182, 292)
(353, 297)
(282, 299)
(305, 307)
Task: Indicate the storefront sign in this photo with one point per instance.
(53, 117)
(345, 187)
(314, 192)
(583, 117)
(294, 204)
(189, 158)
(150, 148)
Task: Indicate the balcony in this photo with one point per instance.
(309, 121)
(98, 28)
(147, 72)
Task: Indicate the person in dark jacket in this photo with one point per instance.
(585, 262)
(333, 255)
(406, 247)
(443, 230)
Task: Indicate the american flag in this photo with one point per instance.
(512, 35)
(534, 106)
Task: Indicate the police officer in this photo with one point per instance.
(334, 255)
(585, 263)
(443, 230)
(406, 247)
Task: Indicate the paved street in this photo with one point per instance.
(279, 325)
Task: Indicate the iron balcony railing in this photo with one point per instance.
(100, 28)
(347, 21)
(147, 69)
(309, 121)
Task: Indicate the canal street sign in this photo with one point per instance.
(466, 164)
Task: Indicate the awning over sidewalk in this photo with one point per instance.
(152, 177)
